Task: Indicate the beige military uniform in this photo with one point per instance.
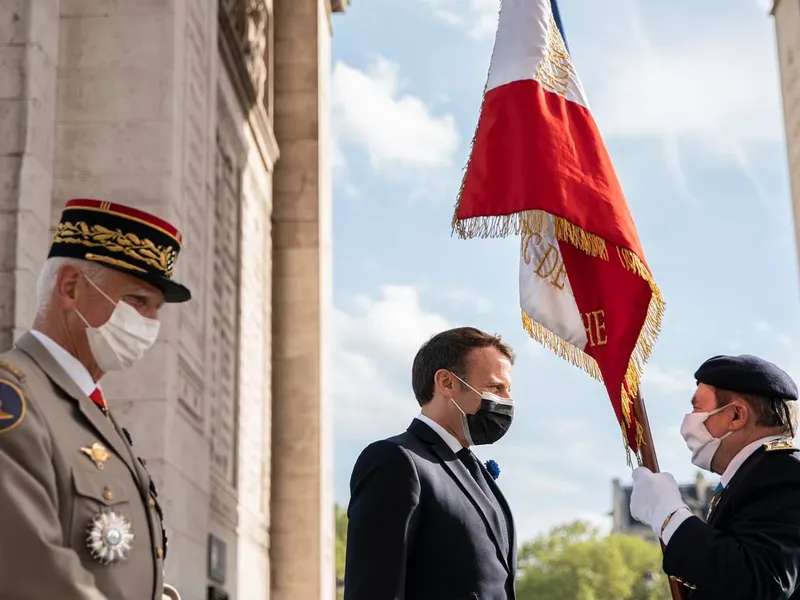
(64, 467)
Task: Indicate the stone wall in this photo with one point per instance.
(169, 106)
(135, 123)
(29, 52)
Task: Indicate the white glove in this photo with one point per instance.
(170, 593)
(655, 496)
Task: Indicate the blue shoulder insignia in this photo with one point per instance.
(12, 406)
(775, 445)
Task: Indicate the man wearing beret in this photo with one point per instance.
(741, 427)
(79, 514)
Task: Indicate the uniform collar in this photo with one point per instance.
(71, 365)
(743, 454)
(446, 436)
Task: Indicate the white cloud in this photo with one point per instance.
(479, 19)
(719, 86)
(395, 129)
(772, 333)
(393, 325)
(373, 347)
(461, 298)
(668, 381)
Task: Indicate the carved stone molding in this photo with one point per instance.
(227, 302)
(246, 48)
(245, 27)
(224, 503)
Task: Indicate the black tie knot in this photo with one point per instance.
(470, 461)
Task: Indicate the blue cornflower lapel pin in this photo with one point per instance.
(493, 468)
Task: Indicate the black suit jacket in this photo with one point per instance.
(750, 547)
(420, 528)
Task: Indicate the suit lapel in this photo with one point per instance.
(468, 485)
(733, 486)
(143, 477)
(31, 346)
(512, 530)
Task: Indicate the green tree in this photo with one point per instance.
(340, 514)
(573, 561)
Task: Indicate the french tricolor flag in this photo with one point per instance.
(539, 169)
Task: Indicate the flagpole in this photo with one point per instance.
(647, 452)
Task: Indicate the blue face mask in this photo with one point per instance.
(491, 421)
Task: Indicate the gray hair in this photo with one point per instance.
(48, 276)
(769, 412)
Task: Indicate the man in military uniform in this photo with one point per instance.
(741, 427)
(79, 514)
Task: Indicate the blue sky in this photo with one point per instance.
(687, 97)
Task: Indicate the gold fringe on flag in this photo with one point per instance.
(532, 222)
(527, 223)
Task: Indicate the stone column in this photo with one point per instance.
(28, 58)
(136, 124)
(787, 27)
(302, 504)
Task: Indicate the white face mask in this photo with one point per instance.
(124, 339)
(701, 443)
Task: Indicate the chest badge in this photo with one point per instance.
(98, 454)
(110, 538)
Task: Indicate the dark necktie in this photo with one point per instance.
(470, 461)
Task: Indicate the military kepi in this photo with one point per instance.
(122, 238)
(747, 374)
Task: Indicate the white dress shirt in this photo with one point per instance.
(737, 461)
(448, 437)
(71, 365)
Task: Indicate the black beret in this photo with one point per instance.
(747, 374)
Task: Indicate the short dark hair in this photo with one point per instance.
(769, 412)
(449, 350)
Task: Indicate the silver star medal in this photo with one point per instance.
(110, 537)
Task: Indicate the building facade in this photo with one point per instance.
(697, 497)
(214, 115)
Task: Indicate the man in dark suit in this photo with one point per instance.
(426, 519)
(741, 426)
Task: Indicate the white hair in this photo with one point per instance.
(48, 276)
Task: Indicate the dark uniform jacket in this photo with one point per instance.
(421, 528)
(53, 485)
(750, 548)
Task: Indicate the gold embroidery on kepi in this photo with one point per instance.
(121, 238)
(12, 406)
(129, 244)
(110, 537)
(98, 454)
(784, 444)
